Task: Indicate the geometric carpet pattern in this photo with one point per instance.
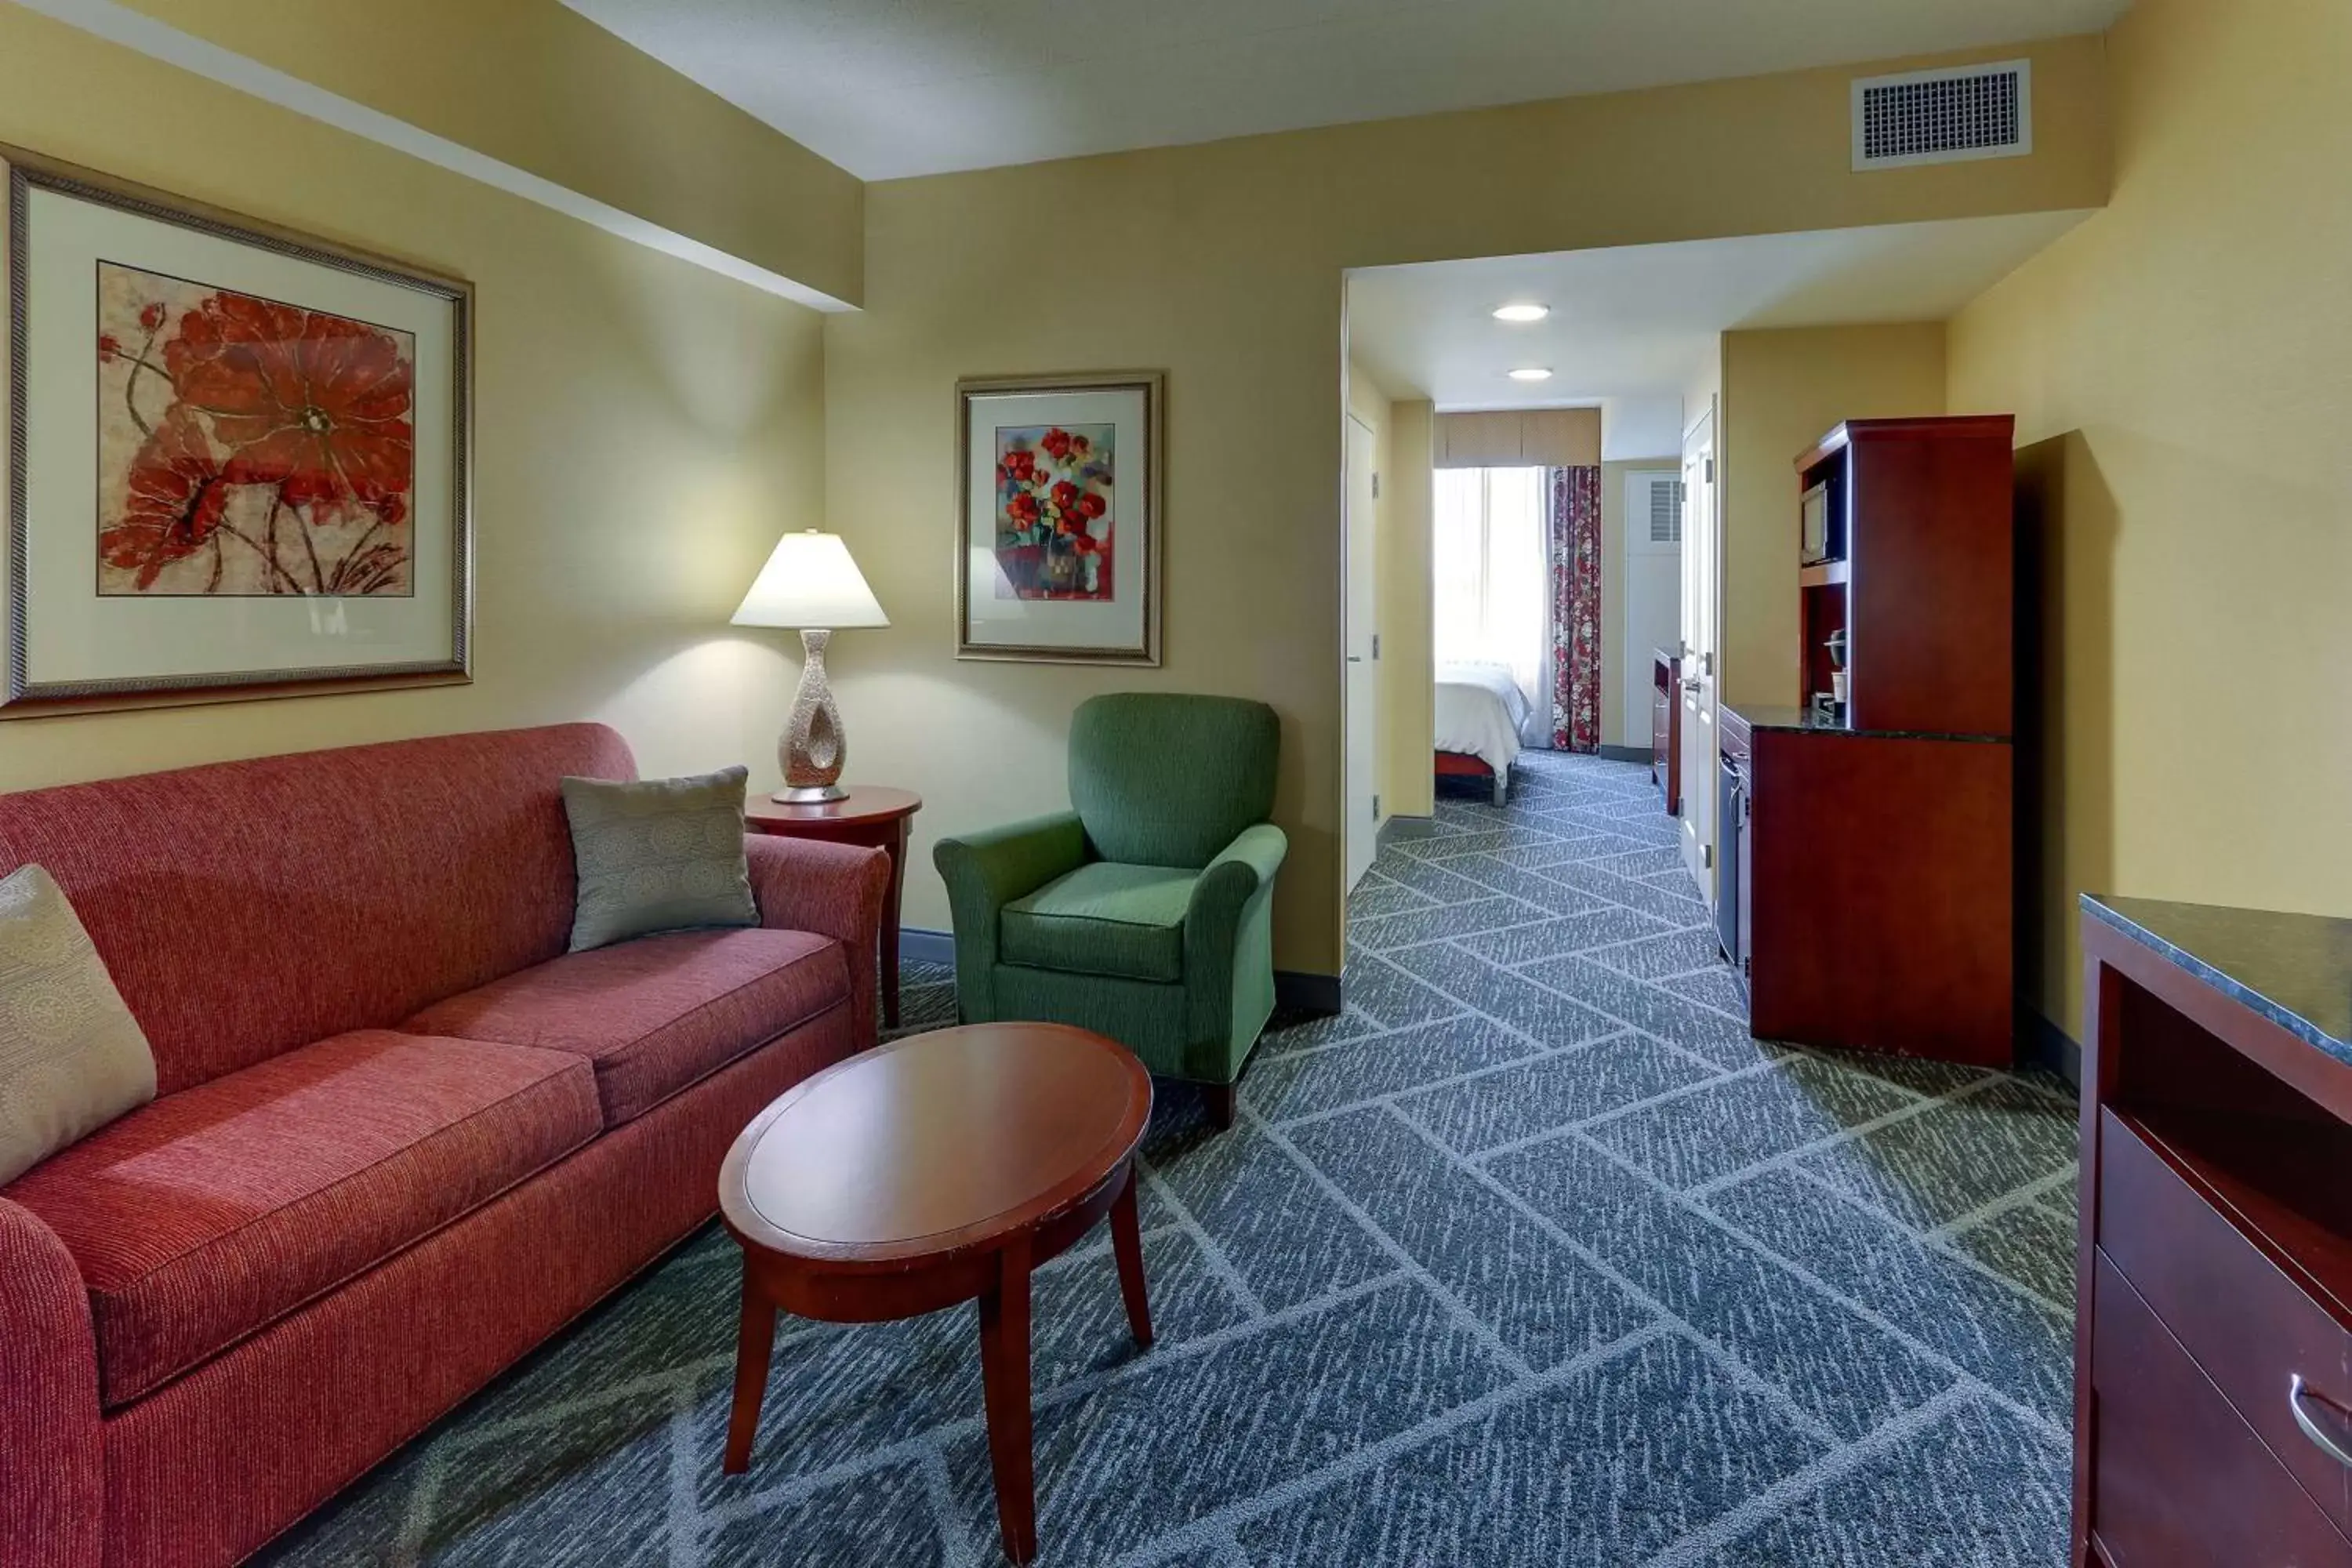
(1531, 1258)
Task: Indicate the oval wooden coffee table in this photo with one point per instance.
(937, 1169)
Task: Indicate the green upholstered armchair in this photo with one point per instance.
(1145, 913)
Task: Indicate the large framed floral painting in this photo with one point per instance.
(1059, 555)
(238, 457)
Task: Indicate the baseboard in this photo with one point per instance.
(916, 945)
(1383, 836)
(1294, 992)
(1626, 754)
(2043, 1044)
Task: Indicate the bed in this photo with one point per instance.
(1480, 712)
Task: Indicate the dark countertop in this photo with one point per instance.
(1802, 719)
(2294, 970)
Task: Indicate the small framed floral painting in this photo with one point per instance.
(237, 458)
(1059, 554)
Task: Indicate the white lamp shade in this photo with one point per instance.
(809, 581)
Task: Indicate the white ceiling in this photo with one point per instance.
(1639, 322)
(890, 88)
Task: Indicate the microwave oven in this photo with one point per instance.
(1817, 525)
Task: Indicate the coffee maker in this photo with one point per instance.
(1829, 707)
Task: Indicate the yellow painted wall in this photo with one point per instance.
(1224, 265)
(645, 431)
(2177, 366)
(1782, 390)
(1408, 617)
(536, 85)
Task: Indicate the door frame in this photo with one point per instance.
(1702, 667)
(1360, 649)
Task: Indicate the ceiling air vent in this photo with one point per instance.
(1944, 116)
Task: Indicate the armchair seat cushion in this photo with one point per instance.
(1105, 918)
(212, 1213)
(656, 1014)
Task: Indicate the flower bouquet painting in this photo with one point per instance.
(1060, 507)
(240, 459)
(1053, 511)
(248, 446)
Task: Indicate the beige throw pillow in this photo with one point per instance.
(658, 855)
(72, 1058)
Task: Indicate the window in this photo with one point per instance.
(1491, 581)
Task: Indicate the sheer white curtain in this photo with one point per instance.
(1492, 583)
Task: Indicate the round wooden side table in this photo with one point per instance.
(873, 817)
(940, 1168)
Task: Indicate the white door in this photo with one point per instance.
(1363, 637)
(1701, 572)
(1651, 527)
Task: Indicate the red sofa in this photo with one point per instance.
(400, 1136)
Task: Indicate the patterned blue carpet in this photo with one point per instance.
(1531, 1258)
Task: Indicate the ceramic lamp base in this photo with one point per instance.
(813, 748)
(816, 795)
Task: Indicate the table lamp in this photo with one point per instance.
(811, 583)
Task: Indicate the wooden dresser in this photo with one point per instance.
(2213, 1337)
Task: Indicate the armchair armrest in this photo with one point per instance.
(984, 871)
(1245, 865)
(1235, 886)
(831, 890)
(52, 1474)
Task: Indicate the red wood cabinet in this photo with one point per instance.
(1877, 874)
(1868, 871)
(2213, 1337)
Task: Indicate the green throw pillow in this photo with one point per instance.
(658, 855)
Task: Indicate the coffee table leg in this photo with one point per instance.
(753, 1342)
(1127, 1244)
(1004, 1382)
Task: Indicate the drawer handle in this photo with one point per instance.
(2297, 1400)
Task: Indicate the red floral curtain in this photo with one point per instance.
(1575, 543)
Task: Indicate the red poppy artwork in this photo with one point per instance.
(1054, 511)
(247, 447)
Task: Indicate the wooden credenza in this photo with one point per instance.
(2213, 1336)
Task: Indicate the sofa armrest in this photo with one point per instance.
(1237, 883)
(831, 890)
(984, 871)
(52, 1472)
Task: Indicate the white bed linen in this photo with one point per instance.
(1480, 710)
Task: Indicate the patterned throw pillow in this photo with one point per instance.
(72, 1059)
(658, 855)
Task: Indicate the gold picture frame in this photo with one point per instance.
(1061, 517)
(157, 350)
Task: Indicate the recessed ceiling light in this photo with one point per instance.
(1531, 372)
(1522, 313)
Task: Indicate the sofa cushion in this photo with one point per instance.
(212, 1213)
(657, 1014)
(1104, 918)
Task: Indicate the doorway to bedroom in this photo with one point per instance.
(1492, 629)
